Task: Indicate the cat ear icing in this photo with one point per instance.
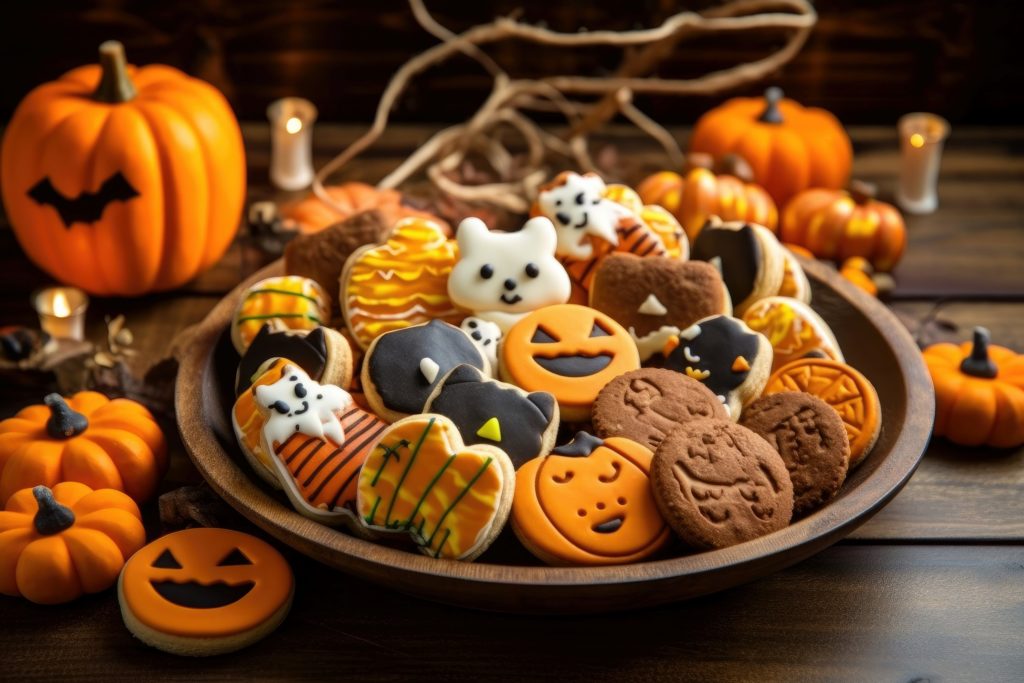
(471, 233)
(542, 233)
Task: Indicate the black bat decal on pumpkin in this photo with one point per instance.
(87, 207)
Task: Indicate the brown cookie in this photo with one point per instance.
(655, 297)
(718, 484)
(809, 435)
(646, 404)
(321, 255)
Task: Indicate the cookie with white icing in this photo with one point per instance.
(577, 206)
(486, 335)
(749, 257)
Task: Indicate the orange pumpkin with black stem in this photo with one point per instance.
(840, 224)
(979, 392)
(790, 147)
(123, 180)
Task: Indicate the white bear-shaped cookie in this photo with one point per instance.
(297, 403)
(579, 210)
(502, 276)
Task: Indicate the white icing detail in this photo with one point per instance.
(508, 256)
(429, 368)
(595, 215)
(653, 342)
(725, 404)
(314, 414)
(689, 356)
(716, 261)
(490, 334)
(691, 332)
(652, 306)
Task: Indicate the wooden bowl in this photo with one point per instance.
(506, 578)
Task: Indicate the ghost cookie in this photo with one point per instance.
(287, 302)
(655, 298)
(503, 276)
(323, 353)
(487, 411)
(646, 404)
(402, 367)
(749, 257)
(485, 335)
(793, 328)
(423, 482)
(732, 360)
(718, 484)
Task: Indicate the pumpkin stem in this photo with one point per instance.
(736, 166)
(64, 422)
(978, 364)
(52, 517)
(771, 113)
(862, 192)
(115, 86)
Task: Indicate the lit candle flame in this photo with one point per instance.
(917, 140)
(60, 304)
(293, 125)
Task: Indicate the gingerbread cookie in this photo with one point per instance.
(503, 276)
(422, 481)
(487, 411)
(323, 353)
(287, 302)
(204, 591)
(732, 360)
(718, 484)
(570, 351)
(749, 257)
(793, 328)
(589, 503)
(810, 437)
(399, 283)
(485, 335)
(646, 404)
(402, 367)
(655, 298)
(843, 388)
(794, 280)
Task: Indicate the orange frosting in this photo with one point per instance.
(793, 328)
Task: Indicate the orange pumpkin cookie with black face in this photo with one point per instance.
(589, 503)
(204, 591)
(571, 352)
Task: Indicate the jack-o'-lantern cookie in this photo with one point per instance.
(399, 283)
(749, 257)
(717, 484)
(323, 353)
(286, 302)
(402, 367)
(793, 328)
(655, 298)
(204, 591)
(502, 276)
(422, 481)
(589, 503)
(646, 404)
(487, 411)
(570, 351)
(842, 387)
(732, 360)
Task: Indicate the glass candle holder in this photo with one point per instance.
(291, 142)
(922, 137)
(62, 312)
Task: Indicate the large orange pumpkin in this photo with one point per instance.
(840, 224)
(707, 189)
(790, 147)
(123, 181)
(311, 214)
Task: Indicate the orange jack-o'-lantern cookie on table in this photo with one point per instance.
(569, 351)
(589, 503)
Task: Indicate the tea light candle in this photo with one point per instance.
(62, 312)
(921, 140)
(291, 142)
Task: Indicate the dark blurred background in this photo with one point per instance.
(869, 61)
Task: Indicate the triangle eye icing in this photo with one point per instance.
(234, 558)
(541, 336)
(166, 560)
(598, 331)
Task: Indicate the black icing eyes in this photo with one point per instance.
(487, 271)
(542, 337)
(598, 331)
(233, 559)
(580, 198)
(166, 560)
(532, 270)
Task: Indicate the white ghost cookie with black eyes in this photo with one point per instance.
(502, 276)
(486, 335)
(577, 206)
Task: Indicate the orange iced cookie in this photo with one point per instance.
(843, 388)
(286, 302)
(793, 328)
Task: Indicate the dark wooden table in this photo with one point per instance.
(931, 589)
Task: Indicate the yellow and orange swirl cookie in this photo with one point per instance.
(421, 480)
(793, 328)
(286, 302)
(401, 282)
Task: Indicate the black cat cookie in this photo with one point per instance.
(749, 257)
(323, 353)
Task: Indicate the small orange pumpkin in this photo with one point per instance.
(858, 271)
(311, 214)
(86, 438)
(57, 544)
(837, 225)
(708, 189)
(979, 392)
(123, 180)
(790, 147)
